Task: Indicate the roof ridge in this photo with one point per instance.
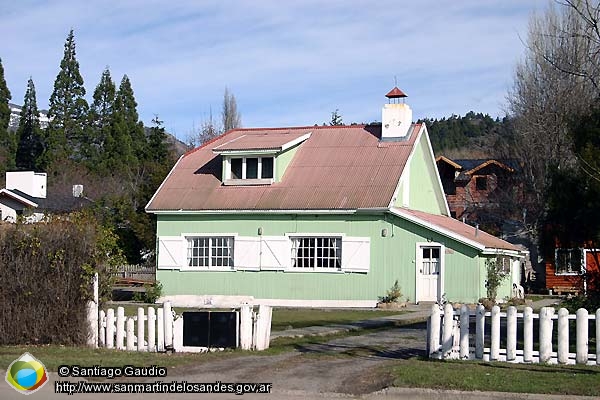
(300, 127)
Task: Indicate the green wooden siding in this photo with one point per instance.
(392, 258)
(283, 160)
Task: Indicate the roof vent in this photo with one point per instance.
(396, 117)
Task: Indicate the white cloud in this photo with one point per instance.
(287, 63)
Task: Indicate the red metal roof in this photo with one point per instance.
(395, 93)
(266, 141)
(337, 167)
(442, 222)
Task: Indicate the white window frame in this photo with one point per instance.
(228, 174)
(210, 236)
(293, 252)
(569, 271)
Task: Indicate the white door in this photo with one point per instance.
(429, 268)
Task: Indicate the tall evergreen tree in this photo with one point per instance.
(4, 99)
(100, 119)
(157, 147)
(7, 139)
(29, 133)
(231, 117)
(68, 108)
(126, 106)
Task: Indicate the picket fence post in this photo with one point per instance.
(511, 333)
(563, 336)
(110, 328)
(528, 335)
(434, 330)
(464, 332)
(479, 331)
(120, 328)
(447, 331)
(160, 334)
(151, 330)
(582, 336)
(130, 337)
(168, 323)
(102, 329)
(495, 346)
(140, 329)
(546, 314)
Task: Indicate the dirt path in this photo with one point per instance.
(350, 365)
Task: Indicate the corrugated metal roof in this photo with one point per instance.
(471, 233)
(260, 141)
(337, 167)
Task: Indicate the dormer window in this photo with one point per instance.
(250, 168)
(258, 159)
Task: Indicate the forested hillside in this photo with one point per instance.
(475, 135)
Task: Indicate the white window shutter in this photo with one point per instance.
(356, 254)
(275, 253)
(246, 252)
(171, 252)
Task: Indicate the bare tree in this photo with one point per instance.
(231, 117)
(554, 83)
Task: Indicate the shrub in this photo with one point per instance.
(45, 278)
(151, 293)
(494, 278)
(393, 295)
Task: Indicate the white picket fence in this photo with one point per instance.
(129, 333)
(165, 329)
(449, 337)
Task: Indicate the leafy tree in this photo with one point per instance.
(100, 119)
(336, 118)
(68, 108)
(231, 117)
(30, 145)
(7, 139)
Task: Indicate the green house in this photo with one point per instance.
(318, 216)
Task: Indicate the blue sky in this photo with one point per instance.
(289, 63)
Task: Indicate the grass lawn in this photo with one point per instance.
(497, 376)
(289, 318)
(412, 372)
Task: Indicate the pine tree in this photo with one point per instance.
(4, 99)
(29, 133)
(100, 120)
(157, 146)
(231, 117)
(68, 109)
(7, 139)
(126, 106)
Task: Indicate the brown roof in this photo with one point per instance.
(337, 167)
(457, 228)
(266, 141)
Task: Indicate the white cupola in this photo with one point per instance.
(396, 117)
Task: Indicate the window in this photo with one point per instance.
(210, 252)
(236, 168)
(503, 264)
(481, 183)
(431, 260)
(251, 168)
(267, 167)
(568, 261)
(317, 252)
